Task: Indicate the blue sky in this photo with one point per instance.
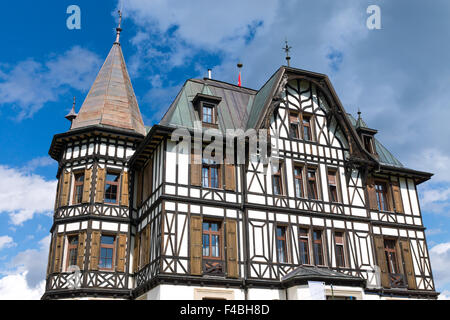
(398, 76)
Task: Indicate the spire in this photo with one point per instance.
(118, 29)
(286, 49)
(239, 65)
(111, 100)
(72, 114)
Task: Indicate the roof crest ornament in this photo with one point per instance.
(118, 29)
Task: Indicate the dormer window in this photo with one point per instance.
(368, 143)
(208, 113)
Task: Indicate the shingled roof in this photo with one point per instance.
(111, 101)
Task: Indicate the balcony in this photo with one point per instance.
(397, 280)
(212, 267)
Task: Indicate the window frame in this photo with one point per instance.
(210, 166)
(113, 183)
(309, 126)
(308, 243)
(301, 178)
(296, 115)
(78, 184)
(385, 195)
(72, 247)
(334, 172)
(316, 185)
(344, 249)
(214, 114)
(280, 177)
(284, 239)
(313, 243)
(108, 246)
(392, 251)
(210, 233)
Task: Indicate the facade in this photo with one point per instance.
(141, 219)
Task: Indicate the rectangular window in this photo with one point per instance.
(307, 132)
(339, 245)
(368, 143)
(381, 190)
(304, 245)
(78, 188)
(294, 125)
(332, 186)
(107, 246)
(210, 174)
(312, 184)
(298, 181)
(112, 187)
(72, 251)
(281, 244)
(391, 256)
(208, 114)
(317, 247)
(211, 240)
(277, 182)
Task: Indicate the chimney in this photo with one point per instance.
(209, 74)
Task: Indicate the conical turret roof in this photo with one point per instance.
(111, 100)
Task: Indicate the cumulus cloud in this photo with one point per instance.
(22, 194)
(15, 287)
(29, 84)
(6, 242)
(440, 262)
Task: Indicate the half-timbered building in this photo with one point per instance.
(142, 220)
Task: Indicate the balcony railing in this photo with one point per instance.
(213, 267)
(397, 280)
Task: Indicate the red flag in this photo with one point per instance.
(239, 81)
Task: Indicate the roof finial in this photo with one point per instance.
(119, 29)
(286, 49)
(239, 65)
(72, 114)
(359, 114)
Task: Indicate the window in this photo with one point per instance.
(312, 186)
(112, 187)
(281, 244)
(391, 256)
(317, 247)
(72, 251)
(210, 174)
(368, 143)
(211, 240)
(304, 245)
(381, 191)
(208, 114)
(298, 181)
(340, 253)
(277, 182)
(78, 188)
(294, 125)
(307, 133)
(332, 186)
(106, 252)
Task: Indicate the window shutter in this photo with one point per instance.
(124, 195)
(373, 204)
(147, 244)
(80, 249)
(196, 170)
(95, 249)
(381, 258)
(58, 252)
(87, 185)
(147, 188)
(230, 177)
(136, 249)
(196, 245)
(122, 253)
(100, 188)
(65, 189)
(58, 191)
(50, 255)
(397, 197)
(139, 188)
(232, 261)
(405, 248)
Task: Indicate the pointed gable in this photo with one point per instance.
(111, 100)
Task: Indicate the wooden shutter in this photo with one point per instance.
(100, 187)
(65, 189)
(87, 185)
(122, 252)
(136, 250)
(95, 249)
(58, 252)
(408, 263)
(80, 250)
(381, 258)
(196, 245)
(50, 256)
(397, 197)
(124, 191)
(196, 171)
(139, 188)
(232, 261)
(230, 177)
(147, 180)
(373, 204)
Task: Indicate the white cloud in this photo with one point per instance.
(445, 295)
(26, 278)
(22, 195)
(6, 242)
(440, 261)
(29, 84)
